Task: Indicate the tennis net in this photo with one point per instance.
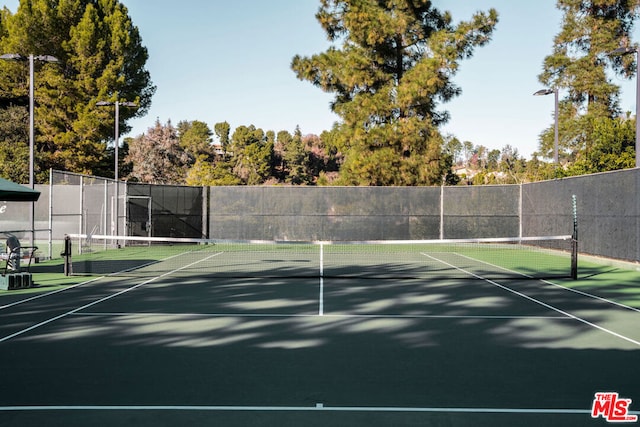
(528, 257)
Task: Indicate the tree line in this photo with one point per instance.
(192, 153)
(610, 146)
(390, 68)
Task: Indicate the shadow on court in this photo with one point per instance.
(314, 418)
(250, 347)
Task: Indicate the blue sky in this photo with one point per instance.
(230, 61)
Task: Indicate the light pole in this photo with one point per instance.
(117, 126)
(555, 141)
(117, 104)
(629, 51)
(31, 58)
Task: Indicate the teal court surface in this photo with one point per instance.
(271, 341)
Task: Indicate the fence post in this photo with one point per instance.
(50, 213)
(520, 212)
(442, 211)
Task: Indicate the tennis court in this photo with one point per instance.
(317, 335)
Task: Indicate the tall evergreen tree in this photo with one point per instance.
(393, 67)
(296, 158)
(196, 138)
(283, 139)
(252, 154)
(222, 131)
(14, 150)
(101, 58)
(579, 65)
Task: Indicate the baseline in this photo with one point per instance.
(317, 407)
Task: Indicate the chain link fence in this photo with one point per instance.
(608, 212)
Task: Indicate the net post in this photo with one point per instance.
(574, 239)
(67, 256)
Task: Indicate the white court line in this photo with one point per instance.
(548, 282)
(317, 407)
(544, 304)
(2, 307)
(53, 319)
(338, 316)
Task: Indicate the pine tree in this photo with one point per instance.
(252, 154)
(14, 151)
(222, 131)
(296, 158)
(196, 138)
(101, 58)
(393, 68)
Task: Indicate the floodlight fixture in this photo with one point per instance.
(543, 92)
(13, 57)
